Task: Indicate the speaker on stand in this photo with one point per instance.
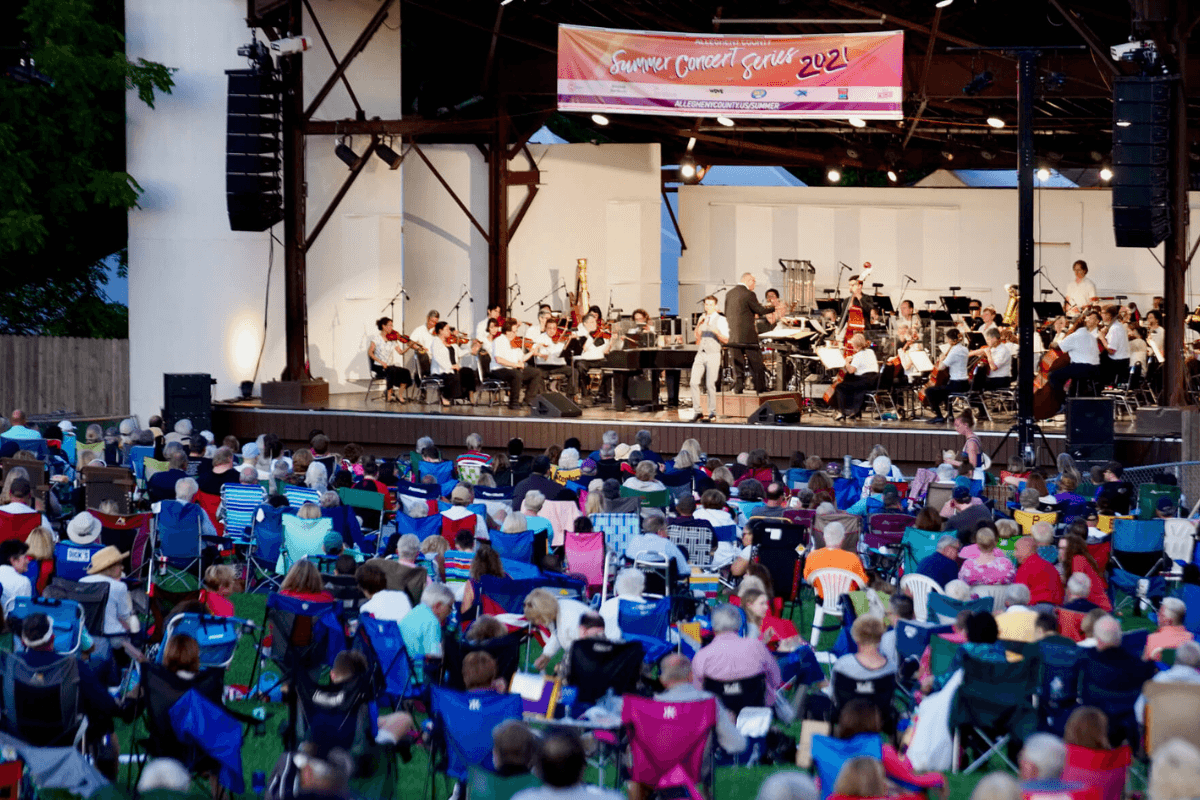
(1090, 431)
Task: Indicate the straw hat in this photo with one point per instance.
(103, 559)
(84, 528)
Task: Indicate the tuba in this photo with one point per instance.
(1010, 311)
(579, 300)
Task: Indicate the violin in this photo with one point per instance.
(396, 336)
(522, 343)
(459, 338)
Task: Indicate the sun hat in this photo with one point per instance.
(103, 559)
(84, 528)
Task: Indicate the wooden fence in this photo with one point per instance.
(49, 375)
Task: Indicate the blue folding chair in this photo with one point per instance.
(240, 501)
(1059, 692)
(517, 546)
(917, 544)
(36, 446)
(650, 619)
(1191, 597)
(797, 478)
(266, 541)
(1138, 554)
(138, 454)
(66, 617)
(208, 728)
(463, 723)
(409, 493)
(71, 561)
(299, 495)
(304, 636)
(943, 609)
(494, 499)
(829, 754)
(388, 663)
(217, 636)
(421, 527)
(178, 532)
(912, 637)
(509, 593)
(345, 523)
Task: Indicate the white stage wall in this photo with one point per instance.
(939, 237)
(197, 289)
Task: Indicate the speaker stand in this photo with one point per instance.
(1033, 428)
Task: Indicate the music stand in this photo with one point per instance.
(1046, 311)
(883, 303)
(832, 305)
(976, 340)
(956, 305)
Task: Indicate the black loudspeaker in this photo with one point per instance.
(639, 391)
(553, 404)
(1089, 421)
(253, 144)
(1141, 152)
(187, 396)
(783, 411)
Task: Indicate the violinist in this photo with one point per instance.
(422, 338)
(955, 361)
(906, 340)
(548, 354)
(1116, 346)
(446, 363)
(862, 374)
(493, 312)
(907, 318)
(386, 354)
(1155, 335)
(999, 358)
(1081, 345)
(595, 348)
(485, 336)
(510, 364)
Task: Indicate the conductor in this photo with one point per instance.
(741, 305)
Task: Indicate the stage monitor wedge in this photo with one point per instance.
(555, 405)
(776, 411)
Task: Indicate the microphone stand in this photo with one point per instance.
(390, 305)
(455, 309)
(838, 294)
(512, 300)
(903, 289)
(1046, 278)
(538, 302)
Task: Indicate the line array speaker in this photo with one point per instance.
(253, 144)
(1141, 154)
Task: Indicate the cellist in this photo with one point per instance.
(955, 361)
(1083, 346)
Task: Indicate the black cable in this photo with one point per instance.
(267, 302)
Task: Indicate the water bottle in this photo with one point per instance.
(258, 782)
(846, 472)
(567, 698)
(260, 716)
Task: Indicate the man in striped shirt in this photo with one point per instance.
(468, 465)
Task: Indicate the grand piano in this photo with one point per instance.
(631, 362)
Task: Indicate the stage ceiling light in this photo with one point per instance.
(833, 175)
(389, 156)
(996, 121)
(687, 169)
(1043, 174)
(599, 119)
(942, 3)
(726, 121)
(1106, 174)
(892, 176)
(948, 155)
(347, 155)
(857, 122)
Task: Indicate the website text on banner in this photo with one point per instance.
(814, 77)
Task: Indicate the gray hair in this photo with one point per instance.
(474, 441)
(515, 523)
(630, 582)
(1107, 631)
(610, 438)
(422, 443)
(645, 471)
(408, 546)
(1017, 594)
(958, 590)
(789, 785)
(1174, 770)
(1188, 654)
(1175, 608)
(317, 476)
(644, 438)
(1029, 497)
(248, 475)
(826, 508)
(997, 786)
(185, 489)
(1043, 533)
(164, 773)
(835, 534)
(330, 500)
(534, 500)
(436, 593)
(1079, 585)
(946, 541)
(568, 459)
(726, 618)
(607, 451)
(1047, 753)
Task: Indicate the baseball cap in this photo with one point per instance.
(961, 493)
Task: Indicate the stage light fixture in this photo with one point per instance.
(996, 121)
(725, 121)
(1043, 174)
(948, 155)
(687, 169)
(346, 154)
(388, 155)
(987, 155)
(1106, 174)
(1123, 123)
(892, 176)
(599, 119)
(852, 153)
(942, 3)
(857, 122)
(980, 82)
(833, 175)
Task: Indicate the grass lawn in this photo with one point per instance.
(259, 753)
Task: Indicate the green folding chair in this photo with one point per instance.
(660, 499)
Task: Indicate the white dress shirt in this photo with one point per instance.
(1081, 347)
(422, 336)
(1002, 357)
(956, 361)
(1118, 340)
(864, 362)
(553, 350)
(502, 349)
(591, 350)
(439, 358)
(481, 329)
(14, 585)
(1080, 293)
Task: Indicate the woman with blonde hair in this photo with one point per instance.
(433, 550)
(989, 568)
(862, 374)
(304, 582)
(41, 554)
(560, 615)
(594, 504)
(11, 474)
(862, 776)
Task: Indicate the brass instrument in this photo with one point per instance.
(579, 299)
(1010, 311)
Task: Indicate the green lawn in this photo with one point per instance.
(261, 752)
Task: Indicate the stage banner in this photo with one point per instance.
(798, 77)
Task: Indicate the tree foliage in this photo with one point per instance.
(64, 191)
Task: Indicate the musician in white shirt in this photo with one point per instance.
(548, 354)
(862, 375)
(908, 318)
(387, 358)
(712, 332)
(493, 312)
(594, 349)
(509, 364)
(1083, 348)
(1081, 292)
(955, 363)
(999, 359)
(446, 363)
(422, 338)
(1116, 340)
(1155, 335)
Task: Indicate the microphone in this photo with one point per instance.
(844, 266)
(910, 279)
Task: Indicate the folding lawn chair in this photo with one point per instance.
(670, 743)
(1138, 558)
(462, 728)
(994, 704)
(66, 617)
(599, 665)
(177, 546)
(218, 637)
(505, 650)
(302, 538)
(240, 501)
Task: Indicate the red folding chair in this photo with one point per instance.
(1103, 769)
(129, 533)
(451, 527)
(1070, 624)
(668, 742)
(211, 503)
(17, 526)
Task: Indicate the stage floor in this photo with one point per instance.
(392, 428)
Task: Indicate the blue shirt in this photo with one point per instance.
(653, 543)
(422, 634)
(938, 567)
(21, 432)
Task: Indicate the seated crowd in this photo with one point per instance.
(469, 558)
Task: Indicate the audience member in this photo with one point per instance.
(1075, 558)
(421, 628)
(833, 556)
(1170, 633)
(1042, 758)
(1174, 771)
(989, 568)
(1111, 678)
(730, 656)
(514, 747)
(1038, 575)
(629, 585)
(382, 603)
(942, 564)
(560, 615)
(1017, 623)
(1186, 669)
(787, 784)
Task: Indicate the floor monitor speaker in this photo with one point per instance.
(781, 411)
(553, 404)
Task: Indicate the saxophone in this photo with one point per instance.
(579, 300)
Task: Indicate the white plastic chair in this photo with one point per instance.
(994, 592)
(919, 587)
(834, 583)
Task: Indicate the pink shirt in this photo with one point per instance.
(1166, 638)
(730, 657)
(997, 573)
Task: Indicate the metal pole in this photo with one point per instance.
(295, 268)
(498, 210)
(1176, 246)
(1026, 81)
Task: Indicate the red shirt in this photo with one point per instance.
(218, 605)
(1044, 582)
(1099, 593)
